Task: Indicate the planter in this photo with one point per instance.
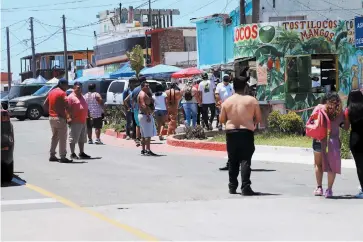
(178, 140)
(119, 135)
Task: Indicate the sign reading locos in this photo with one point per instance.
(245, 32)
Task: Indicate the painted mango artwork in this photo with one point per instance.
(273, 43)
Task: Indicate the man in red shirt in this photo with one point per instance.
(78, 111)
(56, 103)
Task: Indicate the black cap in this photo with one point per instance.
(77, 83)
(62, 81)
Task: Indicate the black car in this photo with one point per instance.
(19, 90)
(7, 147)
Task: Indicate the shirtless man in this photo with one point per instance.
(172, 100)
(240, 113)
(146, 119)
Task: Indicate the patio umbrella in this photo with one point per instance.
(188, 72)
(124, 71)
(160, 71)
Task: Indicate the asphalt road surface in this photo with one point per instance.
(181, 195)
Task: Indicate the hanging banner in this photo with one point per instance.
(358, 31)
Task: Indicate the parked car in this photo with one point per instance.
(117, 87)
(115, 92)
(7, 147)
(4, 94)
(102, 86)
(20, 90)
(30, 106)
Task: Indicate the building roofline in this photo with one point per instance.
(158, 30)
(216, 15)
(55, 53)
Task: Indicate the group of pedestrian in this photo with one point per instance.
(327, 151)
(78, 113)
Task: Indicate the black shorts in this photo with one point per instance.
(96, 123)
(316, 145)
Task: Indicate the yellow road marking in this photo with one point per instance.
(138, 233)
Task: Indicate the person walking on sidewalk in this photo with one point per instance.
(95, 106)
(56, 104)
(78, 111)
(207, 100)
(161, 113)
(130, 119)
(354, 118)
(190, 104)
(146, 120)
(330, 146)
(318, 162)
(173, 99)
(240, 113)
(199, 108)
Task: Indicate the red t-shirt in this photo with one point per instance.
(78, 108)
(57, 99)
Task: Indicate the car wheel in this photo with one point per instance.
(21, 118)
(34, 113)
(7, 171)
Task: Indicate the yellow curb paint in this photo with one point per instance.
(138, 233)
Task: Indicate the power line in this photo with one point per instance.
(173, 3)
(227, 3)
(14, 23)
(272, 7)
(22, 41)
(197, 9)
(45, 5)
(302, 4)
(342, 7)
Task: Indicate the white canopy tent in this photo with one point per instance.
(53, 81)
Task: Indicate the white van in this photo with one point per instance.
(115, 92)
(117, 87)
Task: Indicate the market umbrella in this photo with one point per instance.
(188, 72)
(160, 71)
(124, 71)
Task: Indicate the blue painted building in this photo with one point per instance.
(215, 35)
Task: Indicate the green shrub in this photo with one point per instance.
(274, 121)
(291, 123)
(115, 118)
(344, 138)
(194, 133)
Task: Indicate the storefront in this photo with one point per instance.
(297, 62)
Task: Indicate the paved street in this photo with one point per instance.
(181, 195)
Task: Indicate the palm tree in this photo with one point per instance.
(345, 50)
(287, 41)
(317, 46)
(246, 48)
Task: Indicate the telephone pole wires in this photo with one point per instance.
(8, 55)
(65, 48)
(34, 62)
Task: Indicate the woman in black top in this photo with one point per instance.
(354, 116)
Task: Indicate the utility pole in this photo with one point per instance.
(34, 62)
(8, 53)
(255, 11)
(150, 15)
(65, 47)
(120, 12)
(87, 58)
(242, 12)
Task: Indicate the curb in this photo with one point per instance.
(202, 145)
(119, 135)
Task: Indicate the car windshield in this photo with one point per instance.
(43, 91)
(14, 92)
(4, 94)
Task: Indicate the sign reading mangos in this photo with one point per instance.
(313, 29)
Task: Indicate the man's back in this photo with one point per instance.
(241, 112)
(57, 103)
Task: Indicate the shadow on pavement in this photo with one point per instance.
(75, 162)
(16, 181)
(94, 158)
(262, 170)
(343, 197)
(266, 194)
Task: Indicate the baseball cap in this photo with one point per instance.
(62, 81)
(77, 83)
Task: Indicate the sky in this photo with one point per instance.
(79, 12)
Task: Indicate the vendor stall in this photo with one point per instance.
(297, 62)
